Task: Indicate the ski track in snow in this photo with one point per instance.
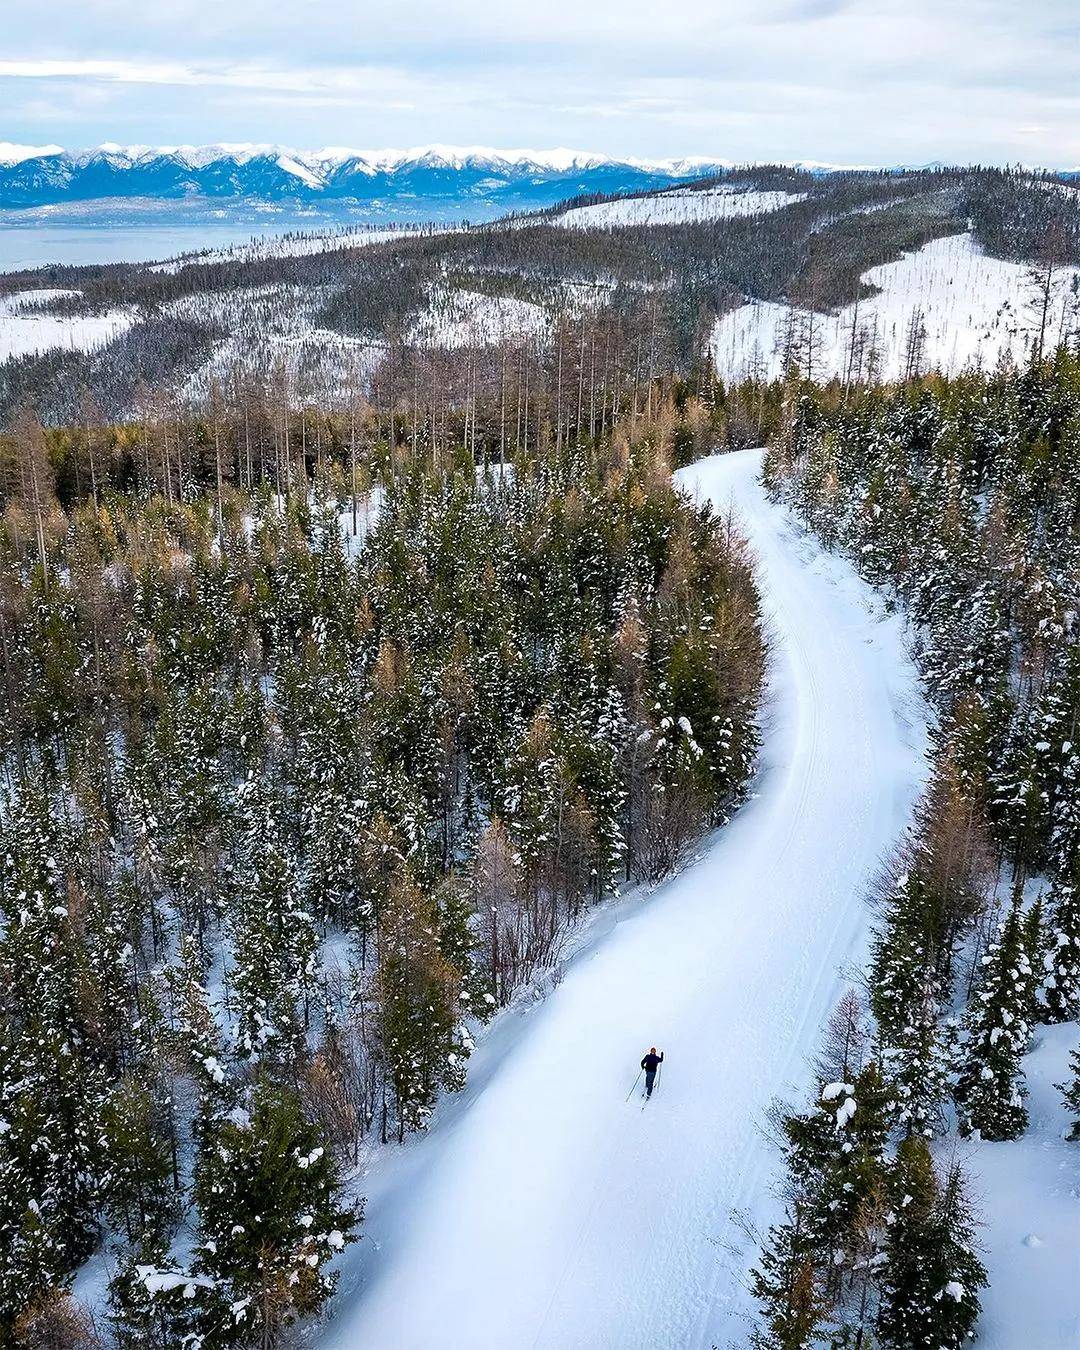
(543, 1210)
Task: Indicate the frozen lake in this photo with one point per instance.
(40, 244)
(34, 239)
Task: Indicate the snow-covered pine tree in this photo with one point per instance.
(902, 960)
(906, 999)
(835, 1156)
(1059, 995)
(424, 1044)
(459, 942)
(270, 1218)
(153, 1303)
(931, 1276)
(191, 810)
(1070, 1093)
(197, 1043)
(52, 1088)
(989, 1089)
(274, 938)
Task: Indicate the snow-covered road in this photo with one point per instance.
(544, 1210)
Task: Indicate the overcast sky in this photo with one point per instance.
(846, 81)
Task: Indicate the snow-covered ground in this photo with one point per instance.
(23, 333)
(544, 1209)
(459, 318)
(676, 208)
(277, 326)
(1028, 1193)
(973, 308)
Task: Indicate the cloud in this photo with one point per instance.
(849, 80)
(122, 71)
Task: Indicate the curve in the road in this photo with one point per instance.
(544, 1210)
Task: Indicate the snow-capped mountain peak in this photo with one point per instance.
(267, 173)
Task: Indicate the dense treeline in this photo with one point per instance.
(310, 756)
(961, 498)
(596, 374)
(1011, 221)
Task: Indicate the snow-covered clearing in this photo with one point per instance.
(1028, 1194)
(460, 318)
(973, 308)
(678, 208)
(23, 333)
(545, 1210)
(276, 326)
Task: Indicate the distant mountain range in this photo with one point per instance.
(36, 176)
(122, 184)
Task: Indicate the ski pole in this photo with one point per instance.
(631, 1092)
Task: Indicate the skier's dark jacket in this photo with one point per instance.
(650, 1062)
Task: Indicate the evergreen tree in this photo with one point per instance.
(423, 1041)
(273, 935)
(1059, 996)
(51, 1089)
(932, 1277)
(137, 1185)
(1070, 1093)
(989, 1090)
(789, 1289)
(836, 1154)
(270, 1217)
(153, 1304)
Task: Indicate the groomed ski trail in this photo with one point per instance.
(545, 1211)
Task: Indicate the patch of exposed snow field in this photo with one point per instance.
(1028, 1195)
(24, 333)
(460, 318)
(272, 327)
(678, 208)
(546, 1210)
(974, 308)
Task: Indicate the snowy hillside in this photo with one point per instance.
(277, 327)
(974, 308)
(22, 332)
(459, 318)
(677, 208)
(281, 246)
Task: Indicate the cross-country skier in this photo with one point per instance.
(650, 1064)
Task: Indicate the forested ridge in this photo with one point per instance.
(315, 746)
(960, 498)
(672, 279)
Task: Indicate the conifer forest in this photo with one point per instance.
(377, 667)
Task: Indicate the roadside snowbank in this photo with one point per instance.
(1028, 1195)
